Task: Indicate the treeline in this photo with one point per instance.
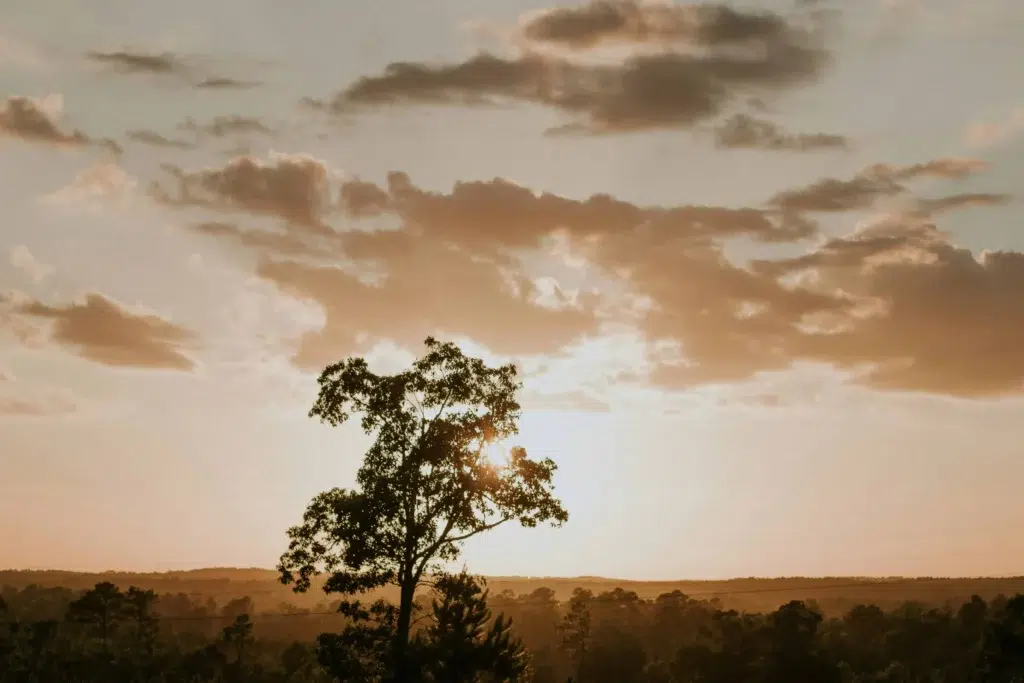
(134, 635)
(834, 595)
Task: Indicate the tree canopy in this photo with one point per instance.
(426, 484)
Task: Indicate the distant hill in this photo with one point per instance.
(755, 594)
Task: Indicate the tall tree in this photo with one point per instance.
(138, 607)
(459, 646)
(102, 607)
(426, 484)
(575, 630)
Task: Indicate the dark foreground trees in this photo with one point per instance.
(425, 486)
(461, 642)
(625, 639)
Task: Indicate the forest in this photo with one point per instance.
(392, 609)
(108, 633)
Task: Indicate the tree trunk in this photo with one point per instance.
(401, 644)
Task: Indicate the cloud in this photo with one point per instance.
(280, 243)
(139, 62)
(154, 139)
(362, 199)
(422, 286)
(398, 285)
(932, 318)
(575, 401)
(726, 322)
(18, 400)
(947, 167)
(295, 188)
(746, 132)
(166, 64)
(103, 184)
(454, 261)
(602, 22)
(35, 120)
(895, 304)
(22, 259)
(299, 189)
(103, 331)
(936, 205)
(37, 404)
(992, 133)
(517, 217)
(223, 126)
(738, 53)
(871, 184)
(462, 263)
(944, 320)
(225, 83)
(218, 127)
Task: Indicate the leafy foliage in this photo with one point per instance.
(671, 639)
(459, 646)
(425, 485)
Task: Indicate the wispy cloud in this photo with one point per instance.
(140, 62)
(871, 184)
(190, 69)
(992, 133)
(742, 131)
(104, 184)
(21, 258)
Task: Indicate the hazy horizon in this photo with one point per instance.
(540, 577)
(760, 265)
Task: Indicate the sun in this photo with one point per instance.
(497, 454)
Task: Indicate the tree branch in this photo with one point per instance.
(485, 527)
(427, 554)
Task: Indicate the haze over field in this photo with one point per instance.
(834, 596)
(760, 265)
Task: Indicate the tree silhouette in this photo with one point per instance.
(363, 651)
(138, 609)
(459, 647)
(425, 485)
(575, 630)
(296, 661)
(101, 607)
(794, 650)
(1002, 655)
(237, 637)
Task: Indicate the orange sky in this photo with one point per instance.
(761, 269)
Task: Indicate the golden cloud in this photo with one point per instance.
(870, 185)
(424, 287)
(33, 120)
(721, 53)
(166, 64)
(742, 131)
(601, 22)
(456, 263)
(103, 331)
(295, 188)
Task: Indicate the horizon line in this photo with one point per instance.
(524, 577)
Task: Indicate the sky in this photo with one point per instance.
(760, 265)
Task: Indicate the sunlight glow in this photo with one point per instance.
(497, 454)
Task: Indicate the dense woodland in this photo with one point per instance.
(111, 633)
(390, 611)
